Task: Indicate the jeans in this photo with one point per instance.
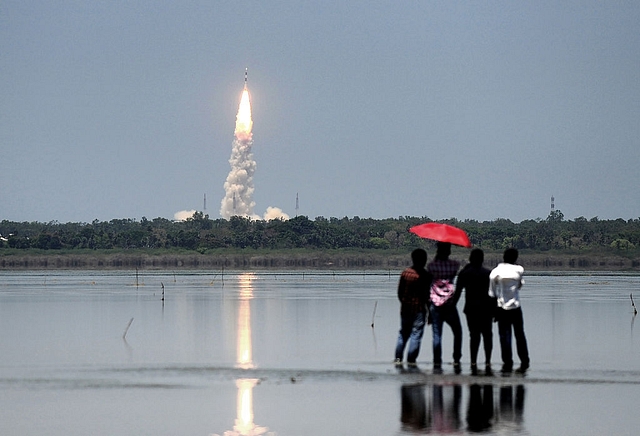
(508, 319)
(440, 315)
(480, 326)
(411, 331)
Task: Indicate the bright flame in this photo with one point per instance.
(243, 119)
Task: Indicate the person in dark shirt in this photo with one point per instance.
(413, 293)
(479, 308)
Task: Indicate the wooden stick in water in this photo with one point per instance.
(162, 284)
(127, 329)
(375, 306)
(635, 311)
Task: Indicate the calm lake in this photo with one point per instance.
(293, 352)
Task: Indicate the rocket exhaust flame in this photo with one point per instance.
(244, 123)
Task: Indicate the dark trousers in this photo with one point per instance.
(480, 326)
(439, 316)
(509, 320)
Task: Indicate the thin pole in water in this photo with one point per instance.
(162, 284)
(124, 335)
(375, 306)
(635, 311)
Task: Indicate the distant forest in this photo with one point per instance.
(201, 234)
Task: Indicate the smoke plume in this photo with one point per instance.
(183, 215)
(238, 188)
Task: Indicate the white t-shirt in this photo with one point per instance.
(505, 282)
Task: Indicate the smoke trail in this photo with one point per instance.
(238, 188)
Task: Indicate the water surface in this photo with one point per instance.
(292, 352)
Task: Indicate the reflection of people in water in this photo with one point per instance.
(441, 415)
(446, 408)
(511, 409)
(440, 412)
(480, 410)
(414, 407)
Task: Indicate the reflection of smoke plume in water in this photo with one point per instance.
(238, 187)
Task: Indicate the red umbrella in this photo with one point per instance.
(442, 233)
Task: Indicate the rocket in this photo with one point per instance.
(246, 71)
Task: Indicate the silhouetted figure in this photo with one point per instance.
(479, 308)
(413, 293)
(505, 283)
(442, 305)
(414, 407)
(480, 410)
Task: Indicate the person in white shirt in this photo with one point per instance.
(505, 282)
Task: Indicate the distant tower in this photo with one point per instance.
(553, 205)
(205, 203)
(297, 204)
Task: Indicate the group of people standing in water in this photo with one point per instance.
(428, 296)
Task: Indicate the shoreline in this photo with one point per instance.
(320, 260)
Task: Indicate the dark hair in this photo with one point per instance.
(476, 257)
(510, 255)
(443, 250)
(419, 257)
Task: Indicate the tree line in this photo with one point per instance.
(201, 233)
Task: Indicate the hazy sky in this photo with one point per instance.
(479, 110)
